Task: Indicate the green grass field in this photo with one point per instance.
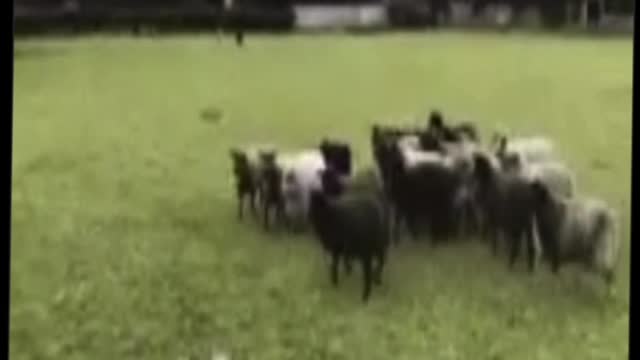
(125, 243)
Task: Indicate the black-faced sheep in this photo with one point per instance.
(578, 230)
(247, 177)
(271, 192)
(424, 188)
(350, 225)
(297, 171)
(338, 154)
(508, 204)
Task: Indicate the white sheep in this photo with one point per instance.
(577, 230)
(300, 172)
(553, 173)
(530, 149)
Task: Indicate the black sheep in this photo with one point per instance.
(246, 176)
(271, 188)
(350, 225)
(508, 202)
(431, 192)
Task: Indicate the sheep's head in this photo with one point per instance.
(483, 169)
(268, 157)
(510, 162)
(240, 161)
(337, 154)
(330, 181)
(436, 120)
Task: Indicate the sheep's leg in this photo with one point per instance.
(265, 213)
(515, 249)
(254, 208)
(381, 262)
(397, 219)
(366, 270)
(493, 237)
(240, 203)
(335, 260)
(553, 255)
(555, 264)
(531, 248)
(347, 265)
(280, 216)
(609, 277)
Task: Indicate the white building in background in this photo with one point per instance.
(315, 17)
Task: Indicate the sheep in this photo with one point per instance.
(247, 177)
(349, 225)
(554, 174)
(271, 187)
(423, 186)
(508, 203)
(578, 230)
(298, 170)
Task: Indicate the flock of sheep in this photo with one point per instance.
(439, 181)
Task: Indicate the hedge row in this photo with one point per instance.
(40, 16)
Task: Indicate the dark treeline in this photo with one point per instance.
(277, 15)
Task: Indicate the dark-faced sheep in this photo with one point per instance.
(297, 172)
(424, 188)
(338, 154)
(508, 203)
(350, 225)
(271, 192)
(247, 177)
(578, 230)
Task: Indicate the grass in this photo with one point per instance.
(125, 243)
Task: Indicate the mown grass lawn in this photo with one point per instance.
(125, 243)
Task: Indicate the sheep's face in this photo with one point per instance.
(271, 181)
(436, 122)
(268, 158)
(240, 162)
(337, 154)
(510, 162)
(330, 182)
(483, 169)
